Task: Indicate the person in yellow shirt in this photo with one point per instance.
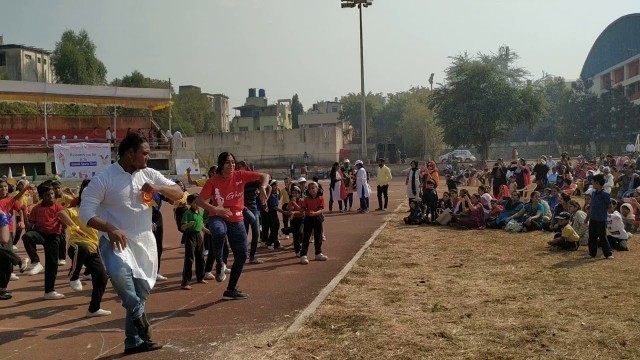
(83, 251)
(568, 238)
(65, 199)
(384, 178)
(201, 182)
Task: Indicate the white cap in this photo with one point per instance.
(273, 181)
(302, 180)
(346, 161)
(359, 162)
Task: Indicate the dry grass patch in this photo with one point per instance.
(438, 293)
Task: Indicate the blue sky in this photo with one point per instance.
(310, 47)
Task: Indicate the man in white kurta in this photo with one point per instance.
(362, 186)
(113, 204)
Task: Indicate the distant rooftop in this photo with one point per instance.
(32, 48)
(617, 43)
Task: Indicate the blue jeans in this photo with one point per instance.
(133, 292)
(237, 235)
(252, 221)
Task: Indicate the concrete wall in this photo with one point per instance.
(276, 148)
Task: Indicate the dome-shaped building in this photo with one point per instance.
(614, 59)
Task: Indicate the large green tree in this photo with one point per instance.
(483, 100)
(352, 109)
(193, 112)
(75, 62)
(296, 110)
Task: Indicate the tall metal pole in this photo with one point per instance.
(363, 114)
(170, 106)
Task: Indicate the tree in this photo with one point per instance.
(296, 110)
(193, 112)
(421, 136)
(387, 122)
(137, 80)
(483, 100)
(352, 109)
(75, 62)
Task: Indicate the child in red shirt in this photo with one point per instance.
(313, 207)
(296, 214)
(45, 228)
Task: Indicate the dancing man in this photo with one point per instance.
(116, 203)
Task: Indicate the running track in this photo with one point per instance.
(186, 322)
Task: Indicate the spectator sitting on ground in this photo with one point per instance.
(472, 215)
(511, 206)
(513, 185)
(579, 221)
(531, 215)
(628, 218)
(503, 193)
(616, 234)
(553, 177)
(568, 187)
(567, 238)
(553, 198)
(445, 203)
(562, 206)
(415, 217)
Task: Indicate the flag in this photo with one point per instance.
(24, 173)
(35, 175)
(10, 176)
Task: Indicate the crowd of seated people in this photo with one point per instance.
(544, 196)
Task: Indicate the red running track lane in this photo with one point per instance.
(188, 323)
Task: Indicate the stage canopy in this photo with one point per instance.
(37, 92)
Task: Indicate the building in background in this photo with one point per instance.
(614, 59)
(25, 63)
(257, 115)
(220, 105)
(322, 113)
(326, 114)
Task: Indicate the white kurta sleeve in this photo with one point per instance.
(92, 197)
(158, 178)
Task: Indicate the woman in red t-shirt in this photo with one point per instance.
(313, 207)
(225, 190)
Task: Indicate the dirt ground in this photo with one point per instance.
(427, 292)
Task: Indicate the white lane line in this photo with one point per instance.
(309, 310)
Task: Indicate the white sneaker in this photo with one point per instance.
(209, 276)
(14, 277)
(24, 264)
(270, 247)
(205, 253)
(287, 237)
(160, 277)
(85, 277)
(15, 248)
(62, 262)
(36, 269)
(76, 285)
(53, 295)
(324, 238)
(226, 269)
(304, 260)
(99, 312)
(321, 257)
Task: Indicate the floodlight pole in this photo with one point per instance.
(363, 118)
